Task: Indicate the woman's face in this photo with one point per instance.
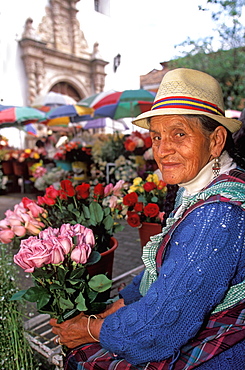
(179, 146)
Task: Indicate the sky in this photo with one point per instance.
(144, 32)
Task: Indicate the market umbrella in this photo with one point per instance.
(20, 115)
(51, 100)
(103, 122)
(92, 100)
(67, 113)
(127, 103)
(30, 129)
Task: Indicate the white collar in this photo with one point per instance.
(205, 176)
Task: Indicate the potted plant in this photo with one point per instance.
(144, 204)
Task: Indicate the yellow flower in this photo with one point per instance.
(137, 181)
(36, 156)
(153, 178)
(27, 151)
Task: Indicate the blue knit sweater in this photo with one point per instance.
(205, 256)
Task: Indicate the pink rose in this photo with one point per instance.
(81, 253)
(56, 253)
(117, 190)
(66, 243)
(35, 210)
(19, 230)
(86, 235)
(15, 221)
(108, 189)
(113, 201)
(33, 253)
(67, 229)
(47, 233)
(4, 224)
(6, 236)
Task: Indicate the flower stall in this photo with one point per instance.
(144, 203)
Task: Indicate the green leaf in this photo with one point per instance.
(70, 290)
(65, 304)
(55, 286)
(61, 274)
(96, 213)
(81, 304)
(92, 295)
(77, 273)
(108, 222)
(154, 199)
(100, 283)
(19, 295)
(118, 227)
(86, 212)
(34, 294)
(93, 258)
(43, 300)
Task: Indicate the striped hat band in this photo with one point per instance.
(184, 102)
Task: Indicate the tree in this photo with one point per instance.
(226, 61)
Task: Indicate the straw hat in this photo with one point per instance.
(187, 91)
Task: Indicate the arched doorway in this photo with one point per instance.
(66, 89)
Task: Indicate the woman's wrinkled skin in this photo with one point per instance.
(181, 148)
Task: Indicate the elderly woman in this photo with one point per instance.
(187, 308)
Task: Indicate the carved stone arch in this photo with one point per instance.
(60, 53)
(76, 84)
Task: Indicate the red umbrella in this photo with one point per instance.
(20, 115)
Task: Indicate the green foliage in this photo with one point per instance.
(15, 352)
(225, 62)
(67, 290)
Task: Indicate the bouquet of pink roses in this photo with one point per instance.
(59, 260)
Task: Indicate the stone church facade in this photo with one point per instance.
(56, 56)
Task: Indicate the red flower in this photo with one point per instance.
(129, 145)
(26, 201)
(133, 219)
(147, 142)
(51, 192)
(138, 207)
(149, 186)
(83, 191)
(161, 185)
(99, 190)
(151, 210)
(47, 200)
(130, 199)
(67, 189)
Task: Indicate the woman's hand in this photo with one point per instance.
(74, 332)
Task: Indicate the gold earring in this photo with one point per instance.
(216, 167)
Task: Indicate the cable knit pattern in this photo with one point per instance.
(205, 256)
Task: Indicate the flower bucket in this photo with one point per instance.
(7, 168)
(148, 229)
(105, 264)
(20, 169)
(65, 165)
(29, 165)
(80, 170)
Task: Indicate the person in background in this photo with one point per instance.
(187, 308)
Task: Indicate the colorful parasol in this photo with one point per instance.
(67, 113)
(51, 100)
(127, 103)
(20, 115)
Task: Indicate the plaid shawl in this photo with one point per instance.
(223, 330)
